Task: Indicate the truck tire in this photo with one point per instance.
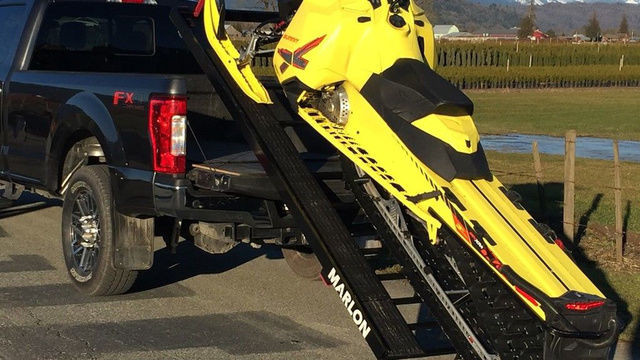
(88, 234)
(303, 263)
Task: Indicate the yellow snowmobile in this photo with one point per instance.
(361, 73)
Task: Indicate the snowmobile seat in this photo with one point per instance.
(412, 90)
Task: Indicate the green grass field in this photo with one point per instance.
(601, 112)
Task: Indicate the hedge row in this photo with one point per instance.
(522, 76)
(549, 77)
(543, 54)
(459, 54)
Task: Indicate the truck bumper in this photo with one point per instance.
(132, 191)
(142, 193)
(176, 198)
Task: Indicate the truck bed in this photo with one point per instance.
(242, 174)
(220, 159)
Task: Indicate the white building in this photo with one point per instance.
(442, 30)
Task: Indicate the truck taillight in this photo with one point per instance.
(168, 132)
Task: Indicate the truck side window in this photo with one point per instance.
(11, 24)
(110, 37)
(83, 38)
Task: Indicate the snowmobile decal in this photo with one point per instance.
(296, 58)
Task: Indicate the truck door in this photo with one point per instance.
(12, 19)
(79, 45)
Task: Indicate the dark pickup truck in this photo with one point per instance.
(104, 107)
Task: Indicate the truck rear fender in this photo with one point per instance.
(84, 115)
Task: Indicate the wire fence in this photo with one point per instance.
(598, 203)
(532, 176)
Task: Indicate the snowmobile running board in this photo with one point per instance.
(345, 268)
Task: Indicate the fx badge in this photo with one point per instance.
(122, 97)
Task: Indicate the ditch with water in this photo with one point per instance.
(586, 147)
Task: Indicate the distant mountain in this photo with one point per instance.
(573, 17)
(469, 16)
(563, 16)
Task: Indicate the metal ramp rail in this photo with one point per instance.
(345, 265)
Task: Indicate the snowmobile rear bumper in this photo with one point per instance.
(579, 326)
(585, 327)
(583, 346)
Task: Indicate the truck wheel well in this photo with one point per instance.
(81, 149)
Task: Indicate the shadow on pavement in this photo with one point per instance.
(257, 333)
(27, 203)
(432, 337)
(189, 261)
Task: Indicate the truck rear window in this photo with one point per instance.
(110, 37)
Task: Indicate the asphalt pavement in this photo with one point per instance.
(246, 304)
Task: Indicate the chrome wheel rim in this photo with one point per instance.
(84, 233)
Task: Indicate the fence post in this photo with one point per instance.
(621, 63)
(569, 184)
(618, 200)
(537, 165)
(508, 63)
(530, 60)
